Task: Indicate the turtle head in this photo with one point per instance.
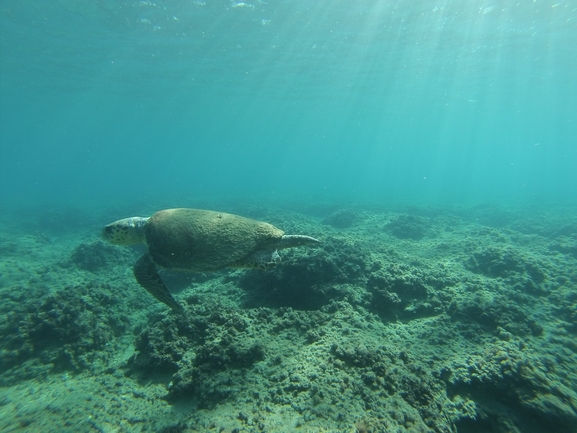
(127, 231)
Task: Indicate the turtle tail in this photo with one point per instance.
(291, 241)
(148, 277)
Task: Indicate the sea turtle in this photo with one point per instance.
(198, 240)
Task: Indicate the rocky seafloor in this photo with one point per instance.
(405, 319)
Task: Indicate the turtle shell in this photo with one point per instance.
(203, 240)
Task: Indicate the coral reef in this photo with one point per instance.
(61, 331)
(408, 227)
(425, 320)
(97, 255)
(342, 218)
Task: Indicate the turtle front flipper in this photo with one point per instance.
(148, 277)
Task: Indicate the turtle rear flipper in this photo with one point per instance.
(264, 259)
(148, 277)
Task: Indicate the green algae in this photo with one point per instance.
(414, 319)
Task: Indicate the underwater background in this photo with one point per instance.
(430, 145)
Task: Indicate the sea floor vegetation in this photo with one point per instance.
(405, 319)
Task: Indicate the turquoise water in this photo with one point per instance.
(429, 145)
(450, 101)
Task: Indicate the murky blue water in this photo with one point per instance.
(358, 114)
(449, 101)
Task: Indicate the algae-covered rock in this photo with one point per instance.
(409, 227)
(342, 218)
(467, 328)
(97, 255)
(400, 290)
(196, 355)
(566, 245)
(63, 331)
(493, 311)
(496, 261)
(520, 384)
(506, 261)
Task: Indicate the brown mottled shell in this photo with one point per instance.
(203, 240)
